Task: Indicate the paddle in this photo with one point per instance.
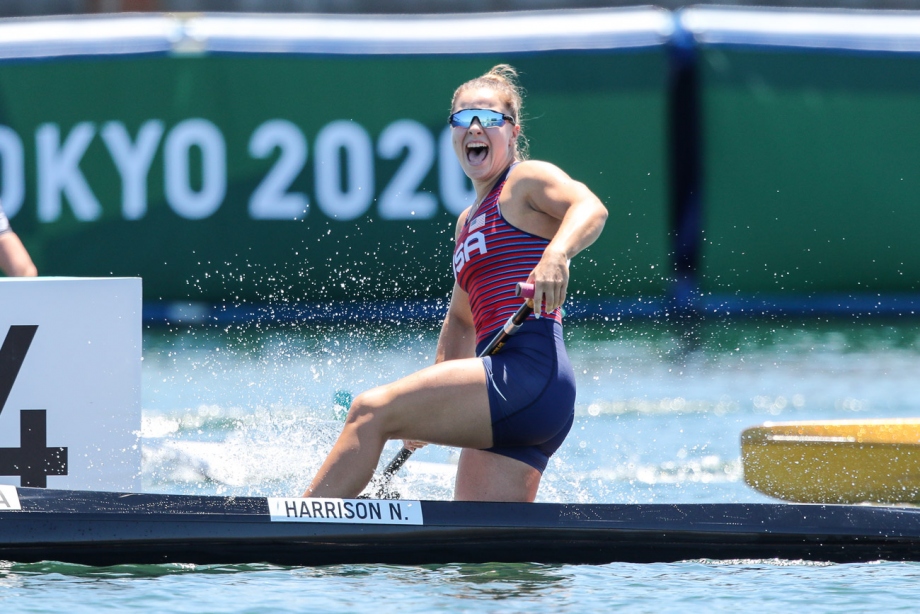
(512, 326)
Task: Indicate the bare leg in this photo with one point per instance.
(446, 404)
(485, 476)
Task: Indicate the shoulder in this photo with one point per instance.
(535, 180)
(536, 169)
(537, 175)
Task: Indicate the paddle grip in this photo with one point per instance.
(524, 289)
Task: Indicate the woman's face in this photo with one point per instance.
(484, 153)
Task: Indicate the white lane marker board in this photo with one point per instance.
(70, 383)
(9, 498)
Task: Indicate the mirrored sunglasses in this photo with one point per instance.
(487, 118)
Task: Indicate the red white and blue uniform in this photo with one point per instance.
(530, 382)
(490, 257)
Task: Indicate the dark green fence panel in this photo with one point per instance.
(268, 177)
(810, 154)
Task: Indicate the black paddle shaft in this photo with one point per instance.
(512, 326)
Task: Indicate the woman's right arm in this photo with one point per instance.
(458, 335)
(457, 339)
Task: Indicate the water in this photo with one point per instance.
(764, 586)
(249, 409)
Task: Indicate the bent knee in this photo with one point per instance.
(368, 410)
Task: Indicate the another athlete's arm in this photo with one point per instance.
(14, 259)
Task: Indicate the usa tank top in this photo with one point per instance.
(490, 257)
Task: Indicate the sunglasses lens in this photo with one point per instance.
(490, 118)
(487, 118)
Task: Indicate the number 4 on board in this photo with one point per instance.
(33, 461)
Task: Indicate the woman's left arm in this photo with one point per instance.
(577, 216)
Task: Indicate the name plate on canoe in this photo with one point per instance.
(353, 511)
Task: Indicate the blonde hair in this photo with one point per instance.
(503, 80)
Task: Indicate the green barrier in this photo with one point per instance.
(272, 178)
(810, 178)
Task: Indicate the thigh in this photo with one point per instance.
(445, 404)
(484, 476)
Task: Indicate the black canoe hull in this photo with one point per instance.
(97, 528)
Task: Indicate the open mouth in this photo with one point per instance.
(476, 152)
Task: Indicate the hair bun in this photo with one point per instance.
(503, 72)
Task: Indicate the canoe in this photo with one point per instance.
(110, 528)
(843, 461)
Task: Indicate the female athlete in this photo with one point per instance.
(510, 411)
